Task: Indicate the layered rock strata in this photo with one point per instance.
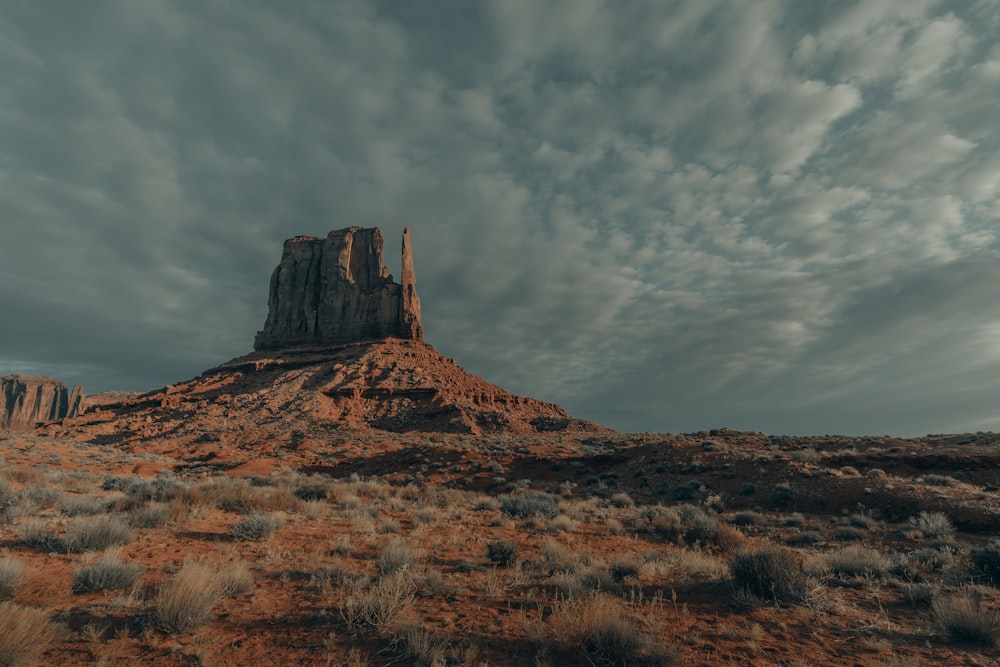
(26, 400)
(335, 290)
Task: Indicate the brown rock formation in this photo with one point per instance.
(26, 400)
(335, 290)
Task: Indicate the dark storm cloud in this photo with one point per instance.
(664, 216)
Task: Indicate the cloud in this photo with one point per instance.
(666, 215)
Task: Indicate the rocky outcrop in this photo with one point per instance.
(26, 401)
(335, 290)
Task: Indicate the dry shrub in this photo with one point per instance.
(596, 629)
(769, 573)
(932, 524)
(561, 524)
(964, 618)
(95, 533)
(987, 561)
(857, 560)
(11, 573)
(152, 515)
(256, 526)
(25, 634)
(531, 504)
(35, 533)
(107, 572)
(184, 602)
(502, 552)
(395, 556)
(377, 604)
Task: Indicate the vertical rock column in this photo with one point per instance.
(336, 290)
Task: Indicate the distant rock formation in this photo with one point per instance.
(26, 401)
(334, 291)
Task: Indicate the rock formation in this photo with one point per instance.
(334, 291)
(26, 401)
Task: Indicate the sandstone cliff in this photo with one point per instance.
(334, 291)
(27, 400)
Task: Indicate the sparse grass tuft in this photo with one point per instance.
(595, 628)
(108, 572)
(531, 504)
(769, 573)
(25, 634)
(857, 560)
(987, 561)
(256, 526)
(95, 533)
(11, 572)
(395, 556)
(502, 552)
(184, 602)
(964, 618)
(932, 524)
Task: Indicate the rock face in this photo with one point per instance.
(335, 290)
(27, 400)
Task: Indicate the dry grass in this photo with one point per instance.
(108, 572)
(857, 560)
(25, 634)
(596, 629)
(184, 602)
(256, 526)
(395, 556)
(378, 604)
(963, 618)
(11, 574)
(769, 573)
(95, 533)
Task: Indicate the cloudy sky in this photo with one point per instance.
(662, 215)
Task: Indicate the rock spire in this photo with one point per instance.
(335, 290)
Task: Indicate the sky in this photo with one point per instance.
(663, 215)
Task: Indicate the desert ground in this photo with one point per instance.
(368, 547)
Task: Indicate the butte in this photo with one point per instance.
(341, 355)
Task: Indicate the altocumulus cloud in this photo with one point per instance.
(678, 215)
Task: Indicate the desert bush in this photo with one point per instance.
(622, 500)
(395, 556)
(691, 490)
(940, 480)
(623, 569)
(848, 534)
(35, 533)
(234, 578)
(857, 560)
(932, 524)
(861, 521)
(151, 515)
(423, 647)
(107, 572)
(531, 504)
(805, 539)
(255, 526)
(561, 524)
(769, 573)
(572, 584)
(11, 573)
(659, 520)
(25, 634)
(184, 602)
(596, 628)
(964, 618)
(808, 455)
(159, 488)
(747, 489)
(95, 533)
(485, 504)
(377, 604)
(502, 552)
(389, 526)
(747, 519)
(783, 494)
(312, 491)
(987, 561)
(83, 505)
